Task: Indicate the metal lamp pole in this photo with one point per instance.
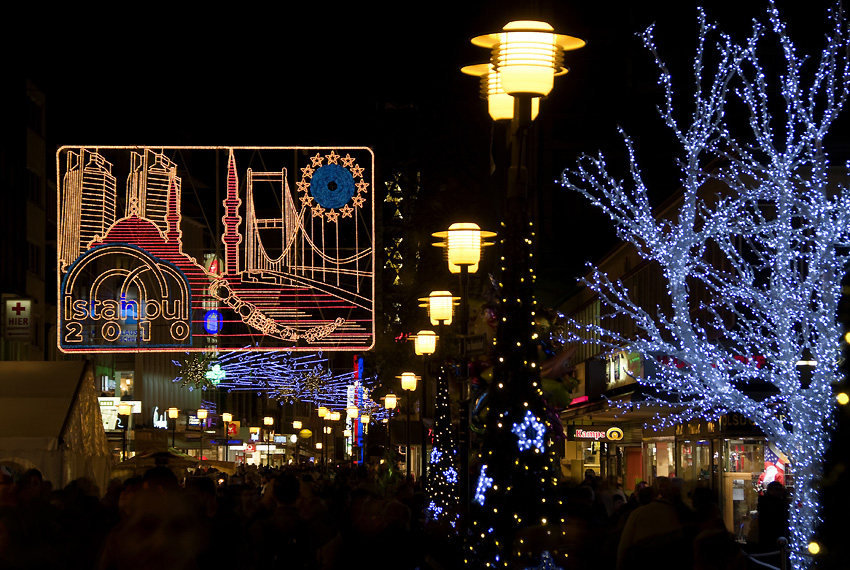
(226, 418)
(202, 417)
(173, 413)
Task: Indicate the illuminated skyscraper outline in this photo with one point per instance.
(89, 209)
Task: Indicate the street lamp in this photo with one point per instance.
(268, 421)
(173, 413)
(500, 105)
(124, 409)
(202, 415)
(365, 418)
(226, 418)
(440, 305)
(408, 384)
(528, 55)
(296, 424)
(424, 343)
(463, 242)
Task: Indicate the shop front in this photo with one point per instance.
(729, 455)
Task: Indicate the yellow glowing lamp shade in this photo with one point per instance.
(463, 243)
(268, 420)
(528, 55)
(425, 342)
(334, 416)
(440, 306)
(226, 417)
(346, 432)
(202, 414)
(125, 409)
(305, 434)
(322, 411)
(296, 424)
(318, 445)
(351, 411)
(500, 105)
(173, 413)
(408, 381)
(390, 401)
(365, 419)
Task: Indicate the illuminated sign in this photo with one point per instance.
(18, 319)
(623, 368)
(160, 421)
(137, 269)
(596, 433)
(212, 321)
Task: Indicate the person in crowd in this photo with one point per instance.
(772, 516)
(654, 532)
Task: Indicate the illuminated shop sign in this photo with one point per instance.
(623, 368)
(137, 268)
(596, 433)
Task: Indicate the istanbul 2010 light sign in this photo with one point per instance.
(203, 248)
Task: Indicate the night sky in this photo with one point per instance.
(384, 75)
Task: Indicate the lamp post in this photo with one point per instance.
(226, 418)
(202, 416)
(408, 384)
(527, 55)
(463, 243)
(173, 413)
(124, 409)
(364, 422)
(268, 421)
(390, 401)
(424, 344)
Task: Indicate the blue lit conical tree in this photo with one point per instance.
(441, 487)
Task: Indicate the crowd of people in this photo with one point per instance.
(301, 518)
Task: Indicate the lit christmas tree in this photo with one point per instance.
(513, 497)
(781, 227)
(441, 485)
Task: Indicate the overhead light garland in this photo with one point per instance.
(286, 377)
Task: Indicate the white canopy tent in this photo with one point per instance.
(50, 420)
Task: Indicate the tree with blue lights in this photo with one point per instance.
(754, 256)
(441, 489)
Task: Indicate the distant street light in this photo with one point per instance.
(124, 409)
(173, 414)
(226, 418)
(202, 416)
(408, 384)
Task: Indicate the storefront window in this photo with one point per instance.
(590, 455)
(659, 460)
(743, 466)
(694, 465)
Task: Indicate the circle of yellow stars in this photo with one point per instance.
(330, 214)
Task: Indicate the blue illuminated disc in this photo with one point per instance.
(332, 186)
(212, 321)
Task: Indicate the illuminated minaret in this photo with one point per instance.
(231, 219)
(172, 217)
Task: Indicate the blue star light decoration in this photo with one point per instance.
(436, 455)
(451, 475)
(530, 433)
(434, 510)
(484, 483)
